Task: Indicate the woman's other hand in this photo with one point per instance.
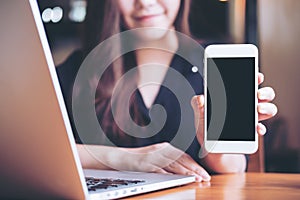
(163, 158)
(159, 158)
(228, 163)
(265, 109)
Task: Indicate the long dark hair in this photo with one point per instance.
(96, 32)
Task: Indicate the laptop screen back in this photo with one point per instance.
(35, 150)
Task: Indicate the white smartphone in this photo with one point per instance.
(230, 89)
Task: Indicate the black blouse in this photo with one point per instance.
(167, 98)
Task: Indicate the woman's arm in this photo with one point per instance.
(225, 163)
(94, 156)
(161, 158)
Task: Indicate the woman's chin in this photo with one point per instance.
(149, 34)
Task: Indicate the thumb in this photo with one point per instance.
(197, 103)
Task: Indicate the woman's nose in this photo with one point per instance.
(145, 3)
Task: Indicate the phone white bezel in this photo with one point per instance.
(227, 51)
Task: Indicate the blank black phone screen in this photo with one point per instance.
(238, 76)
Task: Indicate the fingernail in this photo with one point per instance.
(262, 75)
(265, 94)
(198, 178)
(206, 177)
(267, 108)
(200, 100)
(262, 129)
(264, 109)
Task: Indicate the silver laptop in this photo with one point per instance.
(38, 153)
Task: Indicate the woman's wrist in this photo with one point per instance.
(98, 157)
(225, 163)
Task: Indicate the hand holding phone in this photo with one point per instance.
(230, 80)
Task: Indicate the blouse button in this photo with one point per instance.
(194, 69)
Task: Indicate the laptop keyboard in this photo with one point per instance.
(94, 184)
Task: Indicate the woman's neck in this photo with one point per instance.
(153, 64)
(154, 49)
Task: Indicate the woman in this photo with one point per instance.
(154, 153)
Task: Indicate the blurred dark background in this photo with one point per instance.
(270, 24)
(66, 31)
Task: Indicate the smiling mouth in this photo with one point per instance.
(147, 17)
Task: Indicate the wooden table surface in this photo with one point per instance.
(235, 186)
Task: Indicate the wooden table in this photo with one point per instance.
(235, 186)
